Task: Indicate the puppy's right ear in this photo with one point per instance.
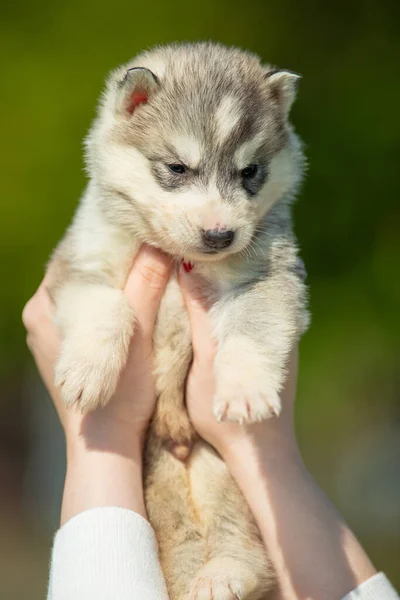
(134, 89)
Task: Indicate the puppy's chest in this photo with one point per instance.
(173, 319)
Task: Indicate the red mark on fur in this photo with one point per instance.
(188, 266)
(136, 99)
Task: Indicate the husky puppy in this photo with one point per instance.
(191, 152)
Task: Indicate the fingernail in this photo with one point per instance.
(188, 266)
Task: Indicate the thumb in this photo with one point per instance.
(194, 291)
(146, 285)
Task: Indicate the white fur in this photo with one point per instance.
(227, 117)
(99, 325)
(246, 384)
(188, 149)
(102, 244)
(245, 153)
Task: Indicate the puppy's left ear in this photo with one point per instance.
(282, 85)
(134, 89)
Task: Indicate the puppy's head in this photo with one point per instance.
(192, 147)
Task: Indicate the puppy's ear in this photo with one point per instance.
(282, 85)
(134, 89)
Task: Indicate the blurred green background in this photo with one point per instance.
(55, 56)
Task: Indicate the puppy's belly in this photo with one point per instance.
(173, 352)
(172, 327)
(207, 474)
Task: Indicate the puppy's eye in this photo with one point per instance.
(177, 168)
(250, 171)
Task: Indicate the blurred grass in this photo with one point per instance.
(55, 58)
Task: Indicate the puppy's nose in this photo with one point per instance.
(218, 238)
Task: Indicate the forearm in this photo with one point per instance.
(314, 552)
(104, 548)
(103, 469)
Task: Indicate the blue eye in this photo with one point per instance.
(177, 168)
(250, 171)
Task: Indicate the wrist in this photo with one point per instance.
(263, 445)
(104, 468)
(98, 479)
(104, 465)
(95, 432)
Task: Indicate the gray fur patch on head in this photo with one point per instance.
(214, 95)
(192, 137)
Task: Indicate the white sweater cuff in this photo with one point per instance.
(377, 587)
(104, 554)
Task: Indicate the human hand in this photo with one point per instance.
(200, 388)
(133, 403)
(104, 447)
(314, 553)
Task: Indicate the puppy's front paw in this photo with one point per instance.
(246, 385)
(245, 401)
(88, 380)
(93, 355)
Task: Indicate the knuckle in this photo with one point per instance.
(198, 294)
(153, 276)
(34, 311)
(29, 314)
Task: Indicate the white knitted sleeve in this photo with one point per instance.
(377, 587)
(106, 554)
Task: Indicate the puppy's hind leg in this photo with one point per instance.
(237, 566)
(172, 515)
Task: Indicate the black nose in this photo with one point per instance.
(217, 238)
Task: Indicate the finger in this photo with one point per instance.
(37, 309)
(194, 292)
(146, 284)
(43, 342)
(45, 351)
